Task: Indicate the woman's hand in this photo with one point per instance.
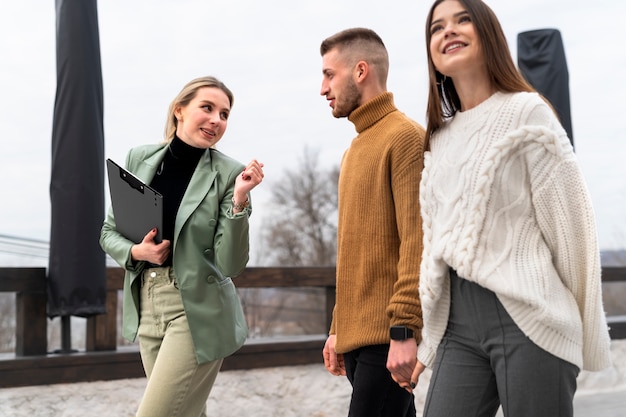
(150, 251)
(419, 369)
(251, 176)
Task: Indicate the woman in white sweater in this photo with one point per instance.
(510, 278)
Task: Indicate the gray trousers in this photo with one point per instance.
(485, 361)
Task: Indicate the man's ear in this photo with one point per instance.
(361, 71)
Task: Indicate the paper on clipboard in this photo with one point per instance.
(137, 207)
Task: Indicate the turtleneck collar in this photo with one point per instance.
(371, 112)
(183, 151)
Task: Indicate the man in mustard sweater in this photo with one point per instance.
(377, 318)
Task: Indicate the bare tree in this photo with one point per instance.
(302, 231)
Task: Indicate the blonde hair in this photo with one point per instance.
(187, 94)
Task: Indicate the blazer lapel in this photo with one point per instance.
(147, 168)
(201, 182)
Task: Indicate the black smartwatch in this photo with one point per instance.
(400, 333)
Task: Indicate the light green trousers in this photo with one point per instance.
(177, 385)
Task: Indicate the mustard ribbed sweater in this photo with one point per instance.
(379, 230)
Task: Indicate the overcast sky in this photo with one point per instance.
(267, 52)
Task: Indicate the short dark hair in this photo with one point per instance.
(349, 37)
(360, 44)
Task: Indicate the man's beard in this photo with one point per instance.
(351, 100)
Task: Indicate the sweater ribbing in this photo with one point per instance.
(379, 229)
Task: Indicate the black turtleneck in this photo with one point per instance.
(171, 181)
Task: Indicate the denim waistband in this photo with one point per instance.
(163, 275)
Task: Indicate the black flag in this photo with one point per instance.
(77, 264)
(541, 60)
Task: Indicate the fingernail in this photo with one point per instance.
(413, 384)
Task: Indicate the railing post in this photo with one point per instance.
(102, 328)
(31, 331)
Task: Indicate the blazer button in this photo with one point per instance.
(210, 278)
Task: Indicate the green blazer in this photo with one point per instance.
(210, 245)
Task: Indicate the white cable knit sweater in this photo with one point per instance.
(505, 204)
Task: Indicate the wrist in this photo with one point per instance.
(240, 204)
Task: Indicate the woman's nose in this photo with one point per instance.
(449, 30)
(214, 118)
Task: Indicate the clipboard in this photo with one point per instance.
(137, 207)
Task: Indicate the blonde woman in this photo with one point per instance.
(170, 289)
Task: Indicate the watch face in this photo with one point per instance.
(398, 333)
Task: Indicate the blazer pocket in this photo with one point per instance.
(228, 326)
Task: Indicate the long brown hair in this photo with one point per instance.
(443, 100)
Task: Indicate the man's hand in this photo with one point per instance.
(332, 360)
(401, 362)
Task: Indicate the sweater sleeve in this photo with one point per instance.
(404, 307)
(566, 219)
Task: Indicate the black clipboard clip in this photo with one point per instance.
(137, 207)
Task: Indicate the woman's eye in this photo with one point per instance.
(224, 115)
(207, 108)
(435, 29)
